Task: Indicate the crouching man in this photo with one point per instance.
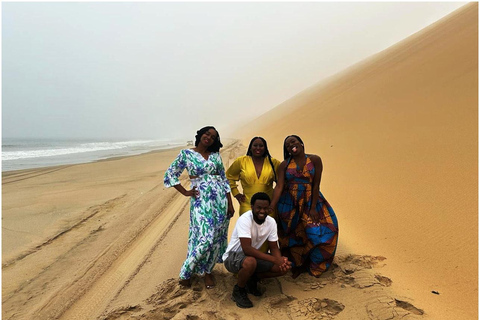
(252, 229)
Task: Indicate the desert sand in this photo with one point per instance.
(397, 134)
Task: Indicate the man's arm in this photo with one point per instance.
(247, 248)
(273, 246)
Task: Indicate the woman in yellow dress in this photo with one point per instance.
(256, 171)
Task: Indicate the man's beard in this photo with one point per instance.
(258, 221)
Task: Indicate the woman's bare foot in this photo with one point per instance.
(209, 281)
(185, 283)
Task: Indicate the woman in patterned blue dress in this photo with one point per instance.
(307, 224)
(210, 204)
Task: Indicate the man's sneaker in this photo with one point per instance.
(239, 295)
(252, 287)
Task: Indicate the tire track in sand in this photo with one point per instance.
(93, 303)
(14, 176)
(88, 296)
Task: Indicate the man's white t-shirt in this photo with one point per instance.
(246, 227)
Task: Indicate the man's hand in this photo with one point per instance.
(279, 261)
(283, 263)
(287, 265)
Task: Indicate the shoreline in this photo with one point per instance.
(32, 153)
(61, 166)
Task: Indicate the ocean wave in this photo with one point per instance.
(53, 151)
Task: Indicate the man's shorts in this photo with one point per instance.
(235, 260)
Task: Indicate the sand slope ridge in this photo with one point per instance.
(398, 136)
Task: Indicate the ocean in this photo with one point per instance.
(20, 154)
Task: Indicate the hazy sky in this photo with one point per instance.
(163, 70)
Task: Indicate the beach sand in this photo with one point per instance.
(397, 134)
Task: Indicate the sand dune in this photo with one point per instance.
(398, 137)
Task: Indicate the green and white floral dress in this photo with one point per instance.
(207, 235)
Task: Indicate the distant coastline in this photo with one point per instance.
(20, 153)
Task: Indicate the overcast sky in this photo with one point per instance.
(162, 70)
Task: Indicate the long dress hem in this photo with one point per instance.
(307, 243)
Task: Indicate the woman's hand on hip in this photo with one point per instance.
(192, 193)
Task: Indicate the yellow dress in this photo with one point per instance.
(243, 169)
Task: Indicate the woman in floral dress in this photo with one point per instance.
(210, 204)
(307, 224)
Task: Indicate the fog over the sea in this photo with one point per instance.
(162, 70)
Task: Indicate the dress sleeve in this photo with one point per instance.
(221, 172)
(175, 170)
(233, 175)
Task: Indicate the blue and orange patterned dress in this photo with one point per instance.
(207, 235)
(307, 243)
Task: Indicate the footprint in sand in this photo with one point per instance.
(172, 301)
(167, 302)
(352, 262)
(278, 305)
(351, 270)
(314, 308)
(384, 308)
(172, 297)
(355, 270)
(121, 313)
(282, 306)
(384, 281)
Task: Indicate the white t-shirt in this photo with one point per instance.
(246, 227)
